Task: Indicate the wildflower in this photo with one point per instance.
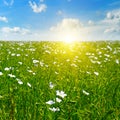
(30, 71)
(61, 93)
(58, 100)
(98, 62)
(107, 55)
(32, 49)
(54, 63)
(34, 73)
(109, 47)
(99, 52)
(76, 57)
(13, 54)
(47, 51)
(28, 84)
(74, 65)
(86, 93)
(35, 61)
(50, 102)
(88, 72)
(96, 73)
(19, 81)
(95, 58)
(56, 73)
(11, 75)
(1, 96)
(18, 55)
(117, 61)
(54, 109)
(41, 64)
(20, 63)
(46, 66)
(64, 52)
(68, 60)
(93, 61)
(51, 85)
(1, 73)
(7, 69)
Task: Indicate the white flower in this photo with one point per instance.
(61, 93)
(117, 61)
(13, 54)
(86, 93)
(51, 85)
(54, 63)
(68, 60)
(1, 73)
(47, 51)
(34, 73)
(35, 61)
(1, 96)
(96, 73)
(107, 55)
(20, 63)
(74, 65)
(99, 62)
(30, 71)
(46, 66)
(58, 100)
(50, 102)
(41, 64)
(18, 55)
(88, 72)
(56, 73)
(19, 81)
(28, 84)
(109, 47)
(11, 75)
(54, 109)
(7, 69)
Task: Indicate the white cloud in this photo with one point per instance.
(112, 23)
(90, 22)
(67, 25)
(8, 2)
(99, 30)
(3, 19)
(37, 8)
(112, 17)
(67, 28)
(112, 30)
(16, 30)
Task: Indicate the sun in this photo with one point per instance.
(70, 38)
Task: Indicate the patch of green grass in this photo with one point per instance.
(87, 72)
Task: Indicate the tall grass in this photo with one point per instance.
(86, 75)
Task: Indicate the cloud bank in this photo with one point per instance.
(3, 19)
(38, 8)
(16, 30)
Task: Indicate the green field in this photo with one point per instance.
(60, 81)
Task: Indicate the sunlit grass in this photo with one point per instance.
(60, 81)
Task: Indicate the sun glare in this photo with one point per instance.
(69, 39)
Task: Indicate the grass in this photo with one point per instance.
(87, 72)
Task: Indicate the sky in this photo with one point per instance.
(59, 19)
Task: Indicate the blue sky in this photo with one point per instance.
(59, 19)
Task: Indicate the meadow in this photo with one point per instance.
(60, 81)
